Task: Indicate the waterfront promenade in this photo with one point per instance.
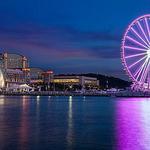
(87, 93)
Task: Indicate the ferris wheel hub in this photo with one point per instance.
(148, 53)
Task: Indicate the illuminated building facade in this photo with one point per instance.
(15, 72)
(36, 75)
(2, 82)
(48, 76)
(76, 80)
(15, 61)
(40, 79)
(15, 69)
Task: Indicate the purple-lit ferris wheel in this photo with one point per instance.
(135, 52)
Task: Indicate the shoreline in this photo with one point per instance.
(130, 95)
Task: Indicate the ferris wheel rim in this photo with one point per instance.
(123, 59)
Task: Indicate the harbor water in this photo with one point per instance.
(74, 123)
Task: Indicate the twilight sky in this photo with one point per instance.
(69, 36)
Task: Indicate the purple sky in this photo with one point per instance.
(69, 36)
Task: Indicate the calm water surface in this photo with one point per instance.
(74, 123)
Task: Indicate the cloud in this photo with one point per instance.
(106, 52)
(61, 41)
(63, 48)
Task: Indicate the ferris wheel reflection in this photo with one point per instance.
(133, 124)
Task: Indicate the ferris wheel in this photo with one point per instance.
(135, 52)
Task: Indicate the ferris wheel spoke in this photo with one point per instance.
(135, 55)
(147, 70)
(139, 36)
(138, 72)
(133, 40)
(147, 26)
(148, 74)
(143, 32)
(142, 68)
(135, 48)
(137, 62)
(144, 72)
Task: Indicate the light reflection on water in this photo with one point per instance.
(2, 100)
(91, 123)
(133, 124)
(24, 123)
(70, 124)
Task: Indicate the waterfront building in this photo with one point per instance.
(14, 61)
(36, 79)
(16, 75)
(72, 80)
(15, 70)
(36, 75)
(48, 77)
(40, 79)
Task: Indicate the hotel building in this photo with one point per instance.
(15, 69)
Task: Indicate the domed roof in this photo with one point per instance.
(2, 82)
